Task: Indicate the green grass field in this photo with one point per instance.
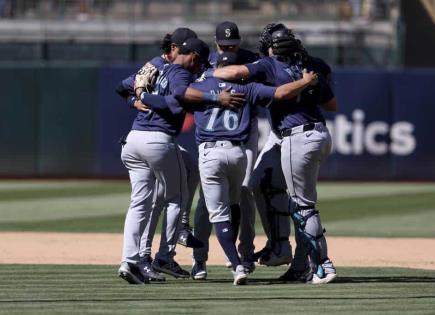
(347, 209)
(52, 289)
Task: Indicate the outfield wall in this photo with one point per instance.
(66, 121)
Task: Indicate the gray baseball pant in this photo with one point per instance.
(301, 156)
(192, 174)
(222, 169)
(202, 225)
(151, 155)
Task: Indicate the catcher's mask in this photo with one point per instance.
(265, 41)
(273, 33)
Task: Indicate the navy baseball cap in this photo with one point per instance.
(181, 34)
(227, 58)
(227, 34)
(197, 46)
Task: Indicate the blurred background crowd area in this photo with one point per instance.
(198, 10)
(72, 54)
(344, 32)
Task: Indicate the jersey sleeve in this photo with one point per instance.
(158, 62)
(178, 80)
(326, 93)
(260, 71)
(125, 88)
(259, 94)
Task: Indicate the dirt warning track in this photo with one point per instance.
(105, 248)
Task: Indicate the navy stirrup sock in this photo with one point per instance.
(225, 235)
(235, 220)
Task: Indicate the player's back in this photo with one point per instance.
(216, 123)
(297, 111)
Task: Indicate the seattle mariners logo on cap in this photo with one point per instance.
(227, 32)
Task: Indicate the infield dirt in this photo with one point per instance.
(105, 248)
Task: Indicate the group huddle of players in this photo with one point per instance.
(222, 90)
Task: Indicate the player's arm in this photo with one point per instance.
(263, 95)
(293, 89)
(225, 98)
(260, 71)
(125, 89)
(187, 95)
(232, 73)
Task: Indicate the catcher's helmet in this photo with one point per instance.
(284, 43)
(265, 41)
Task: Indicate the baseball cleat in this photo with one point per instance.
(326, 279)
(199, 270)
(261, 252)
(171, 268)
(240, 275)
(149, 273)
(272, 259)
(292, 275)
(131, 273)
(325, 274)
(187, 239)
(249, 265)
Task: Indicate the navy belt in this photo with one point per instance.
(298, 129)
(214, 144)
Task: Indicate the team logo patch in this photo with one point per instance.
(163, 83)
(227, 32)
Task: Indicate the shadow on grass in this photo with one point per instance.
(397, 279)
(224, 298)
(375, 279)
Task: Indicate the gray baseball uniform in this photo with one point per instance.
(203, 226)
(222, 169)
(151, 155)
(158, 203)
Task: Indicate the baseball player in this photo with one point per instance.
(221, 134)
(150, 153)
(128, 89)
(305, 139)
(143, 80)
(228, 39)
(269, 188)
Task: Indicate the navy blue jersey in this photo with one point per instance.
(172, 76)
(243, 57)
(302, 109)
(126, 87)
(216, 123)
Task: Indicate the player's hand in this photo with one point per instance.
(310, 77)
(231, 100)
(141, 106)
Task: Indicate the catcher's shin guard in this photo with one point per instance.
(277, 214)
(311, 233)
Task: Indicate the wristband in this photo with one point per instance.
(208, 73)
(208, 97)
(131, 100)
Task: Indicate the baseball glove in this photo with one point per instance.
(145, 78)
